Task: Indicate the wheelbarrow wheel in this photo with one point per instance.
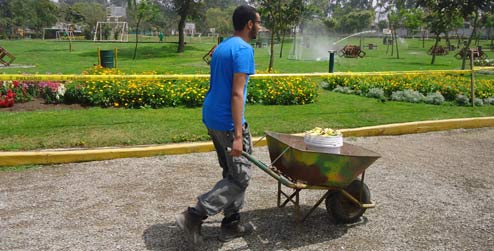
(344, 210)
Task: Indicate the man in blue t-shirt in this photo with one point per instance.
(223, 114)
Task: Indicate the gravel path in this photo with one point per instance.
(434, 191)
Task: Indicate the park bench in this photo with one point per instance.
(6, 58)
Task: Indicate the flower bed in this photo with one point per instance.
(282, 91)
(449, 86)
(169, 93)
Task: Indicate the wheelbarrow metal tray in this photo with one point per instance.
(316, 168)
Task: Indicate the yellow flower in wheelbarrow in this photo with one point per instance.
(323, 132)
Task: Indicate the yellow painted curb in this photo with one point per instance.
(68, 156)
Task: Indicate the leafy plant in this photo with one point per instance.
(478, 102)
(489, 101)
(407, 96)
(345, 90)
(377, 93)
(434, 98)
(462, 100)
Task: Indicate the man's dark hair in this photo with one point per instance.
(242, 15)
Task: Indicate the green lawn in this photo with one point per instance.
(123, 127)
(50, 56)
(95, 127)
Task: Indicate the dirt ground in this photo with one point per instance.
(434, 191)
(37, 104)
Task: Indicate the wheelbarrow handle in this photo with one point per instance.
(271, 173)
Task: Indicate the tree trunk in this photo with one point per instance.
(475, 23)
(137, 38)
(181, 26)
(70, 44)
(271, 56)
(459, 40)
(448, 41)
(489, 31)
(181, 35)
(282, 42)
(396, 42)
(392, 42)
(423, 39)
(435, 46)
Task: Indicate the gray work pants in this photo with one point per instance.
(229, 193)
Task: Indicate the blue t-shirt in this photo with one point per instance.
(233, 55)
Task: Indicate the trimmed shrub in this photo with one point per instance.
(462, 100)
(344, 90)
(434, 98)
(377, 93)
(478, 102)
(407, 96)
(489, 101)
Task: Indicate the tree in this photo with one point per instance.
(471, 9)
(144, 11)
(448, 9)
(220, 20)
(72, 2)
(45, 14)
(21, 14)
(68, 14)
(184, 9)
(278, 16)
(354, 21)
(413, 19)
(487, 22)
(395, 18)
(91, 14)
(289, 16)
(439, 20)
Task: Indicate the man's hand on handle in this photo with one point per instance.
(237, 147)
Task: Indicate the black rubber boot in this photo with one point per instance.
(231, 228)
(191, 223)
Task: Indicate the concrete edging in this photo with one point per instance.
(68, 156)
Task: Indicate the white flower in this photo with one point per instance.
(61, 90)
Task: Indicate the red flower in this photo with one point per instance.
(8, 99)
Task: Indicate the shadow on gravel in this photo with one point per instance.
(275, 230)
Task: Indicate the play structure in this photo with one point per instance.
(351, 51)
(6, 58)
(113, 29)
(477, 53)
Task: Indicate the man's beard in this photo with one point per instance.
(253, 34)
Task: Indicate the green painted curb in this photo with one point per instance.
(70, 155)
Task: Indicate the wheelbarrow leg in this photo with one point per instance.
(317, 204)
(279, 194)
(288, 198)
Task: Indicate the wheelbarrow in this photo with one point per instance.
(293, 165)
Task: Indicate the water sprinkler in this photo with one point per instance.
(331, 60)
